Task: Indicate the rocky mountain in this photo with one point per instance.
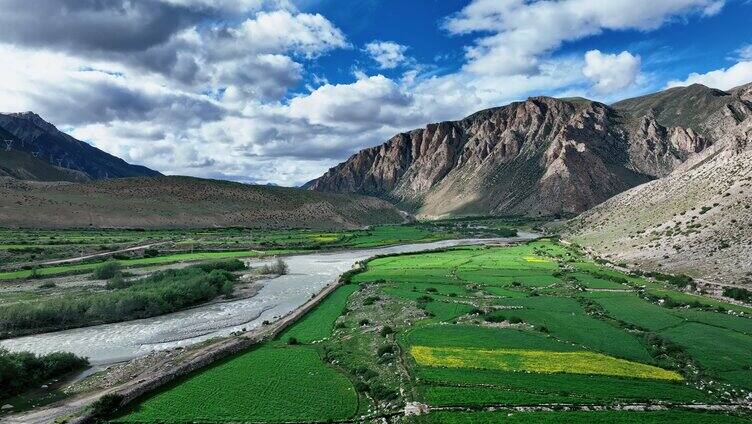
(28, 133)
(540, 156)
(182, 202)
(697, 220)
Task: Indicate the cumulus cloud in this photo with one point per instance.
(370, 101)
(520, 31)
(388, 54)
(611, 72)
(722, 79)
(206, 87)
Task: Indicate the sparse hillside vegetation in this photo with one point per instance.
(182, 202)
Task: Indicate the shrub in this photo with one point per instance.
(107, 270)
(279, 267)
(34, 274)
(494, 318)
(363, 322)
(386, 349)
(21, 371)
(292, 341)
(386, 330)
(106, 406)
(738, 293)
(48, 285)
(150, 253)
(515, 320)
(116, 282)
(370, 300)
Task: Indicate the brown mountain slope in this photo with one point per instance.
(21, 165)
(181, 202)
(698, 220)
(541, 156)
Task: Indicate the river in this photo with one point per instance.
(308, 274)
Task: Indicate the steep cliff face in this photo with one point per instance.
(540, 156)
(28, 133)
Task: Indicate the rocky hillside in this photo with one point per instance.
(541, 156)
(30, 134)
(698, 220)
(182, 202)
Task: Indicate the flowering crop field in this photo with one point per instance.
(540, 361)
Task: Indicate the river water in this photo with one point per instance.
(308, 274)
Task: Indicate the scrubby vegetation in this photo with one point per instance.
(738, 293)
(107, 270)
(163, 292)
(278, 267)
(20, 371)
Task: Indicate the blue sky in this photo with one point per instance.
(278, 91)
(684, 45)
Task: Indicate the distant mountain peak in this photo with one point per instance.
(42, 140)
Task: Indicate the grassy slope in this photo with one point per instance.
(182, 202)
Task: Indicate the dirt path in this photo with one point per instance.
(98, 255)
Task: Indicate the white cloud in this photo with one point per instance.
(611, 72)
(305, 34)
(722, 79)
(388, 54)
(744, 52)
(522, 31)
(370, 101)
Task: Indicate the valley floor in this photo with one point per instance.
(529, 333)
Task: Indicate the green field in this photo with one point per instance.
(267, 384)
(606, 417)
(22, 250)
(478, 327)
(318, 324)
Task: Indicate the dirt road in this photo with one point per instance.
(98, 255)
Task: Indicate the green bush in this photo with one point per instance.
(106, 406)
(20, 371)
(107, 270)
(738, 293)
(162, 292)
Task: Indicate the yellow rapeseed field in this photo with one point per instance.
(535, 259)
(538, 361)
(325, 238)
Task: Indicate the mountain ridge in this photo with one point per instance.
(29, 133)
(538, 156)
